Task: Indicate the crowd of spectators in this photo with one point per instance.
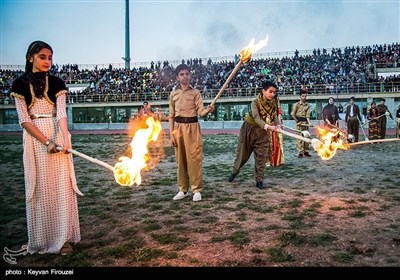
(334, 71)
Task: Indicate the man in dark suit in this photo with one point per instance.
(352, 118)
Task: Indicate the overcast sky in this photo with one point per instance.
(93, 32)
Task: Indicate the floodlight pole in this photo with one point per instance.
(127, 57)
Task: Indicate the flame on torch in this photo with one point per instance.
(246, 52)
(329, 143)
(326, 147)
(245, 56)
(127, 170)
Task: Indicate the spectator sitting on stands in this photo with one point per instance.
(142, 80)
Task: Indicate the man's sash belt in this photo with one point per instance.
(180, 119)
(301, 119)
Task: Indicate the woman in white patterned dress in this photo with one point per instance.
(50, 183)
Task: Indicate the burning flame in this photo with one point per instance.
(246, 52)
(127, 171)
(329, 143)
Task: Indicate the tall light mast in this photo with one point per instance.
(127, 57)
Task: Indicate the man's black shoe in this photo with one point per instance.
(231, 177)
(261, 185)
(307, 154)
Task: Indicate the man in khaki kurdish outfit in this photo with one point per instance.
(301, 114)
(185, 104)
(254, 137)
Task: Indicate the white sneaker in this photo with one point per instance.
(180, 195)
(197, 196)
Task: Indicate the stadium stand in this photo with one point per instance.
(339, 72)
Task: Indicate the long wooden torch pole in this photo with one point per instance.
(230, 77)
(372, 141)
(315, 143)
(294, 135)
(94, 160)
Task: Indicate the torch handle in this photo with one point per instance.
(372, 141)
(315, 143)
(339, 129)
(227, 82)
(294, 135)
(291, 128)
(373, 119)
(94, 160)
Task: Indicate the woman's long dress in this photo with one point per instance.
(50, 183)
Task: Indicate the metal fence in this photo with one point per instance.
(321, 89)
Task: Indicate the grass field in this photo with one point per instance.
(342, 212)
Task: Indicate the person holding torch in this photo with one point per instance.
(185, 105)
(253, 135)
(50, 182)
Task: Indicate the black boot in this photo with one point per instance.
(231, 177)
(261, 185)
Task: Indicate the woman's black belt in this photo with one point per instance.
(180, 119)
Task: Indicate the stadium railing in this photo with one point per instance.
(232, 93)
